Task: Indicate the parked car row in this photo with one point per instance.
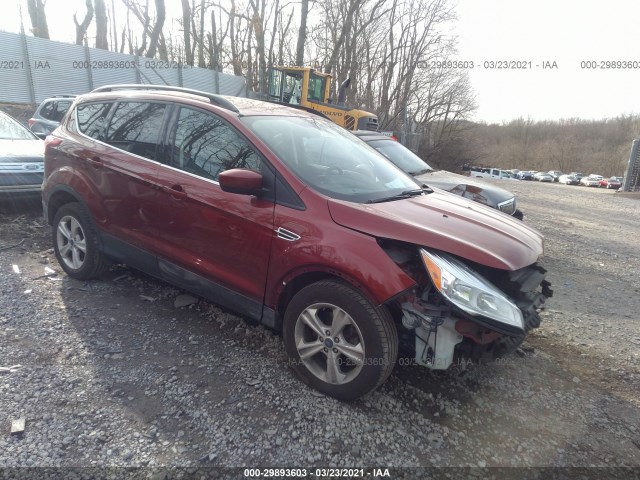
(573, 178)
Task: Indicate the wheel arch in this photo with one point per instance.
(296, 281)
(62, 195)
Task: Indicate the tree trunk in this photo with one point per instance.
(81, 28)
(346, 29)
(157, 29)
(302, 33)
(113, 23)
(101, 25)
(235, 60)
(38, 17)
(201, 60)
(186, 28)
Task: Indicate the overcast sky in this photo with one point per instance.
(566, 32)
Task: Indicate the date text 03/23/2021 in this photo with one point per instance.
(317, 473)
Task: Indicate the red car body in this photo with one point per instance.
(254, 249)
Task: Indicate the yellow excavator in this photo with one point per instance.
(311, 89)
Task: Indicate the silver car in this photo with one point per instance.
(21, 158)
(48, 115)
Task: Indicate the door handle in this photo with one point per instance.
(176, 191)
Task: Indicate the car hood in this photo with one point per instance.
(446, 222)
(21, 151)
(465, 187)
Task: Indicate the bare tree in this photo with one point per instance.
(234, 20)
(217, 37)
(81, 28)
(186, 31)
(302, 32)
(113, 25)
(151, 29)
(201, 59)
(157, 29)
(102, 25)
(258, 22)
(38, 17)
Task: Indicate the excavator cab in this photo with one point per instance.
(311, 89)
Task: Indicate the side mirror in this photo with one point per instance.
(41, 135)
(241, 181)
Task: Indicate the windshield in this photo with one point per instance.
(401, 156)
(329, 159)
(12, 130)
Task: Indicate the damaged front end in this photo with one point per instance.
(463, 311)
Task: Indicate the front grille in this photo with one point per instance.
(508, 206)
(368, 123)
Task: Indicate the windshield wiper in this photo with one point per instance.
(400, 196)
(420, 172)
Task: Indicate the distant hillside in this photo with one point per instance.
(589, 146)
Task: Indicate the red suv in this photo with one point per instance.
(289, 219)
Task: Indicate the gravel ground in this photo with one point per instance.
(113, 373)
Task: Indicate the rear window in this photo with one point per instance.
(55, 110)
(91, 119)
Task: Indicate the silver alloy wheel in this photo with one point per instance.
(72, 243)
(329, 343)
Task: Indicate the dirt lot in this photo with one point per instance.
(112, 373)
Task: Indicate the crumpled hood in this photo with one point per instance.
(446, 222)
(21, 150)
(465, 186)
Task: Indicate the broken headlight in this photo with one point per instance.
(469, 291)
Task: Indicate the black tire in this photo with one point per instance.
(78, 223)
(379, 339)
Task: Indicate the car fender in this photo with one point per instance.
(71, 181)
(348, 254)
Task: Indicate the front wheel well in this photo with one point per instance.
(305, 279)
(297, 284)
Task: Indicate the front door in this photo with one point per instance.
(213, 242)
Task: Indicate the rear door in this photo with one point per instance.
(213, 242)
(120, 164)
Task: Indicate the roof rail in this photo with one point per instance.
(63, 96)
(300, 107)
(214, 99)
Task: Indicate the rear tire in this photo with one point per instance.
(76, 244)
(337, 341)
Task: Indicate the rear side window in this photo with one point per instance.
(135, 127)
(48, 110)
(55, 110)
(205, 145)
(91, 119)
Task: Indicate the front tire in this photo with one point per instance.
(75, 243)
(337, 341)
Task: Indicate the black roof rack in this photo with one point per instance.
(214, 99)
(63, 96)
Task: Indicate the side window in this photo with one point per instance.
(316, 88)
(205, 145)
(135, 127)
(91, 119)
(60, 109)
(48, 110)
